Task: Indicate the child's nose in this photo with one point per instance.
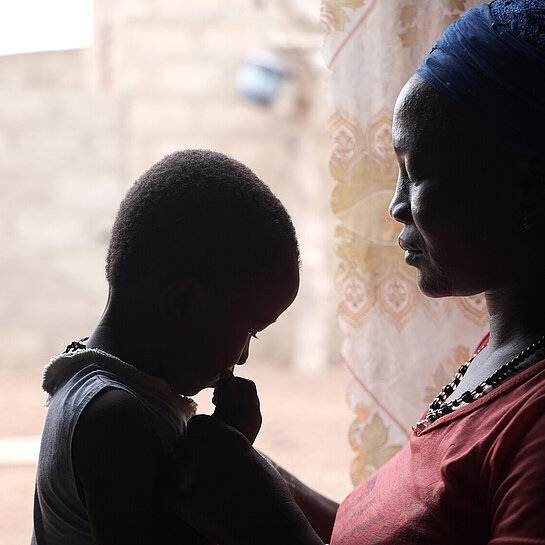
(244, 354)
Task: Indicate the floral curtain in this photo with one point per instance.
(399, 347)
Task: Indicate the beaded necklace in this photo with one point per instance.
(439, 408)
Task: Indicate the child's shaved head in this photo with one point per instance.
(198, 213)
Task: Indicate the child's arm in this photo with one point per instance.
(319, 510)
(222, 486)
(237, 404)
(115, 456)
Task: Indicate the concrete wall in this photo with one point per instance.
(77, 127)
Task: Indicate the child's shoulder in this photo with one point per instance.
(113, 432)
(117, 459)
(117, 414)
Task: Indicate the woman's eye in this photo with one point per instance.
(411, 179)
(253, 334)
(404, 174)
(415, 173)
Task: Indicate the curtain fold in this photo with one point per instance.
(399, 347)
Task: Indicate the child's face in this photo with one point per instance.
(218, 333)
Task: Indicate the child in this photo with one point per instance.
(202, 256)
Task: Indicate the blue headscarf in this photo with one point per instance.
(485, 63)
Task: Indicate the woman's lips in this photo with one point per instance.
(407, 245)
(412, 253)
(411, 256)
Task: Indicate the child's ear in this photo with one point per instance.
(178, 299)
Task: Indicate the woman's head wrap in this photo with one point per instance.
(491, 62)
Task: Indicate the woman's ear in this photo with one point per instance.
(179, 299)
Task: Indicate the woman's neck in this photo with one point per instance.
(517, 313)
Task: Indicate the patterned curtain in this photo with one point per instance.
(399, 347)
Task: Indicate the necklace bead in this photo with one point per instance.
(439, 408)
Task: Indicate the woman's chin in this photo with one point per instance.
(434, 286)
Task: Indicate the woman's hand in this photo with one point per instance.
(226, 490)
(237, 404)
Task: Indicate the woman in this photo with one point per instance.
(468, 132)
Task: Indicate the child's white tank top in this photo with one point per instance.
(72, 380)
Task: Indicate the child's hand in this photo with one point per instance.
(237, 404)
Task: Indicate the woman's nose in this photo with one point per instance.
(400, 206)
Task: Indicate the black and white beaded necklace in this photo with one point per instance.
(439, 408)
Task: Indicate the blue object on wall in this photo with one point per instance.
(260, 77)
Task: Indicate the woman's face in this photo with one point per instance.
(457, 197)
